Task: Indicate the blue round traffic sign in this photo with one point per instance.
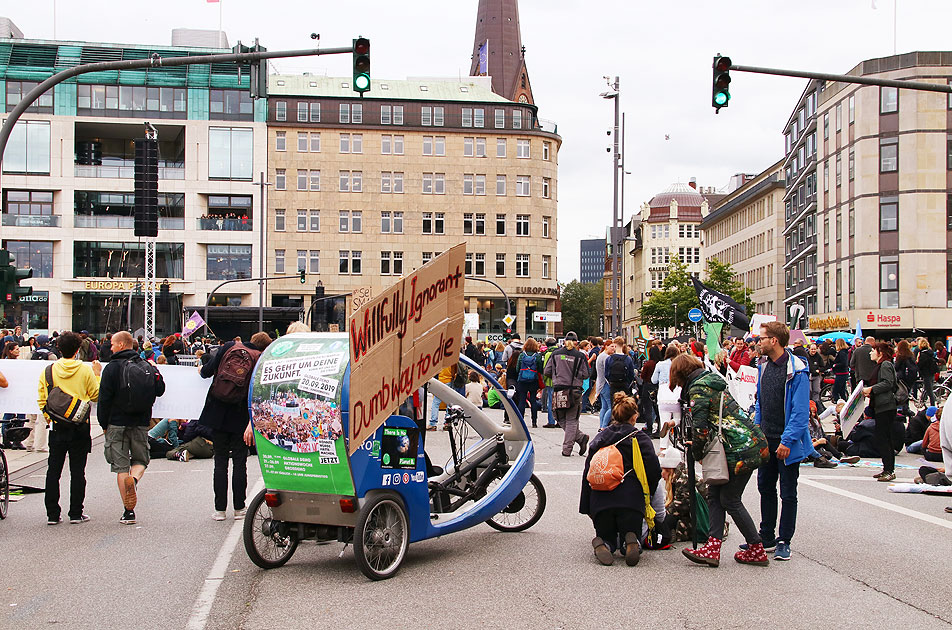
(694, 315)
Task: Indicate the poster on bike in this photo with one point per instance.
(297, 413)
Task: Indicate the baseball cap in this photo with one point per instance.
(571, 336)
(931, 411)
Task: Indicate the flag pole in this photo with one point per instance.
(220, 2)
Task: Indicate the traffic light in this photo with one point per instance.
(721, 94)
(6, 277)
(18, 276)
(146, 175)
(318, 291)
(303, 275)
(164, 297)
(361, 65)
(318, 323)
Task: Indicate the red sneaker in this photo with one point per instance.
(754, 554)
(709, 554)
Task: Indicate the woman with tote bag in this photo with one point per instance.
(724, 432)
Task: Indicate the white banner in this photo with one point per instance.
(743, 385)
(184, 395)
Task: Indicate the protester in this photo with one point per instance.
(918, 425)
(620, 514)
(551, 346)
(474, 389)
(841, 371)
(928, 368)
(739, 356)
(883, 401)
(79, 380)
(817, 364)
(229, 420)
(568, 368)
(619, 369)
(514, 347)
(821, 444)
(602, 389)
(669, 408)
(528, 370)
(782, 411)
(744, 445)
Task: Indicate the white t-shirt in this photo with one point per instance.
(474, 393)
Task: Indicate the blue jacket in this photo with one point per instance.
(796, 405)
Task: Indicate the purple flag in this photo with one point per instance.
(192, 324)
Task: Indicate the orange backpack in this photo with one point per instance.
(607, 468)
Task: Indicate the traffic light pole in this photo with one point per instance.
(847, 78)
(212, 292)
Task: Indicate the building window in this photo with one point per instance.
(385, 263)
(522, 265)
(500, 265)
(851, 282)
(480, 187)
(468, 147)
(230, 153)
(826, 126)
(522, 185)
(467, 118)
(426, 116)
(888, 155)
(315, 220)
(281, 110)
(546, 182)
(226, 262)
(501, 185)
(302, 143)
(852, 165)
(350, 221)
(315, 139)
(37, 255)
(302, 220)
(546, 150)
(386, 115)
(279, 225)
(501, 221)
(500, 147)
(468, 184)
(479, 117)
(826, 176)
(481, 147)
(517, 119)
(351, 143)
(16, 90)
(888, 214)
(301, 260)
(479, 268)
(839, 169)
(839, 116)
(545, 227)
(546, 264)
(522, 149)
(500, 118)
(28, 148)
(427, 257)
(851, 113)
(281, 141)
(522, 225)
(344, 113)
(280, 179)
(468, 223)
(888, 100)
(888, 282)
(433, 222)
(301, 179)
(349, 262)
(437, 116)
(315, 109)
(315, 261)
(279, 261)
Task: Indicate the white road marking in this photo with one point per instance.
(206, 597)
(835, 477)
(928, 518)
(574, 473)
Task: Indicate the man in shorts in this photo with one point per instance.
(128, 389)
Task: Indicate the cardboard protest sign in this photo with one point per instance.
(742, 385)
(852, 412)
(401, 338)
(758, 320)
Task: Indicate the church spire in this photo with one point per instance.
(498, 50)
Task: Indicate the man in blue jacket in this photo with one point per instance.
(782, 410)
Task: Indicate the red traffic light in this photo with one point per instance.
(722, 64)
(362, 46)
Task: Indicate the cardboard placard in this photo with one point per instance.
(403, 337)
(852, 412)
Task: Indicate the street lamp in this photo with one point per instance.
(614, 93)
(675, 318)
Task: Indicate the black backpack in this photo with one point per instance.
(136, 393)
(616, 370)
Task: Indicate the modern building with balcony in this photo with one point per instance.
(67, 195)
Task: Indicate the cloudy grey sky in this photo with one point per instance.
(661, 50)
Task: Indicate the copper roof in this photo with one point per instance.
(686, 197)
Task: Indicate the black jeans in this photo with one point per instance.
(78, 451)
(839, 387)
(883, 433)
(612, 524)
(767, 477)
(726, 499)
(230, 446)
(927, 382)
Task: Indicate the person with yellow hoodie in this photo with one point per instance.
(81, 381)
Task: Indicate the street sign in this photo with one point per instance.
(547, 316)
(508, 319)
(695, 315)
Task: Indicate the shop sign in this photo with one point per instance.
(538, 291)
(883, 319)
(118, 285)
(830, 322)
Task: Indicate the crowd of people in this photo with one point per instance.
(288, 420)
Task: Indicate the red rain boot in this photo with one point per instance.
(754, 554)
(709, 554)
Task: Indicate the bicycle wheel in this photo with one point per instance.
(524, 511)
(826, 393)
(381, 537)
(269, 543)
(4, 486)
(941, 394)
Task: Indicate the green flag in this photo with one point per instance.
(713, 332)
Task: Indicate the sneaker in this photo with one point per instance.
(632, 549)
(602, 552)
(184, 456)
(129, 497)
(709, 554)
(128, 517)
(240, 514)
(852, 459)
(887, 476)
(879, 474)
(754, 554)
(783, 551)
(219, 515)
(583, 445)
(54, 521)
(823, 463)
(82, 519)
(550, 426)
(432, 427)
(769, 545)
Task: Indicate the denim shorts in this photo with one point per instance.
(126, 447)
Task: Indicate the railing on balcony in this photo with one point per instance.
(125, 172)
(548, 125)
(31, 220)
(96, 221)
(239, 224)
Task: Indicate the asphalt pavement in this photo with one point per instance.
(862, 557)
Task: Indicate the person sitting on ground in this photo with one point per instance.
(916, 429)
(930, 447)
(619, 514)
(822, 445)
(474, 389)
(164, 434)
(196, 443)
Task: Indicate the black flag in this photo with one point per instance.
(717, 307)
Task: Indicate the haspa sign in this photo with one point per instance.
(401, 338)
(884, 319)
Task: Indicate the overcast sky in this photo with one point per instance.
(661, 50)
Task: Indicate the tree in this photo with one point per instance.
(720, 277)
(676, 297)
(582, 305)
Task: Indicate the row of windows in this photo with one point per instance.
(804, 270)
(755, 279)
(353, 113)
(390, 144)
(391, 222)
(751, 214)
(393, 182)
(753, 246)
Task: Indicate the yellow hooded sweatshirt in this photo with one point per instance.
(73, 377)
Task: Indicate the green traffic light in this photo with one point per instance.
(721, 98)
(362, 82)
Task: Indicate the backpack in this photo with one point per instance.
(62, 406)
(137, 379)
(616, 370)
(233, 376)
(902, 393)
(528, 367)
(606, 470)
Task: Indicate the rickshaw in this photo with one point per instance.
(387, 493)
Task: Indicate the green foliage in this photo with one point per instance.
(582, 305)
(720, 277)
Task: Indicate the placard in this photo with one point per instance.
(852, 412)
(402, 338)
